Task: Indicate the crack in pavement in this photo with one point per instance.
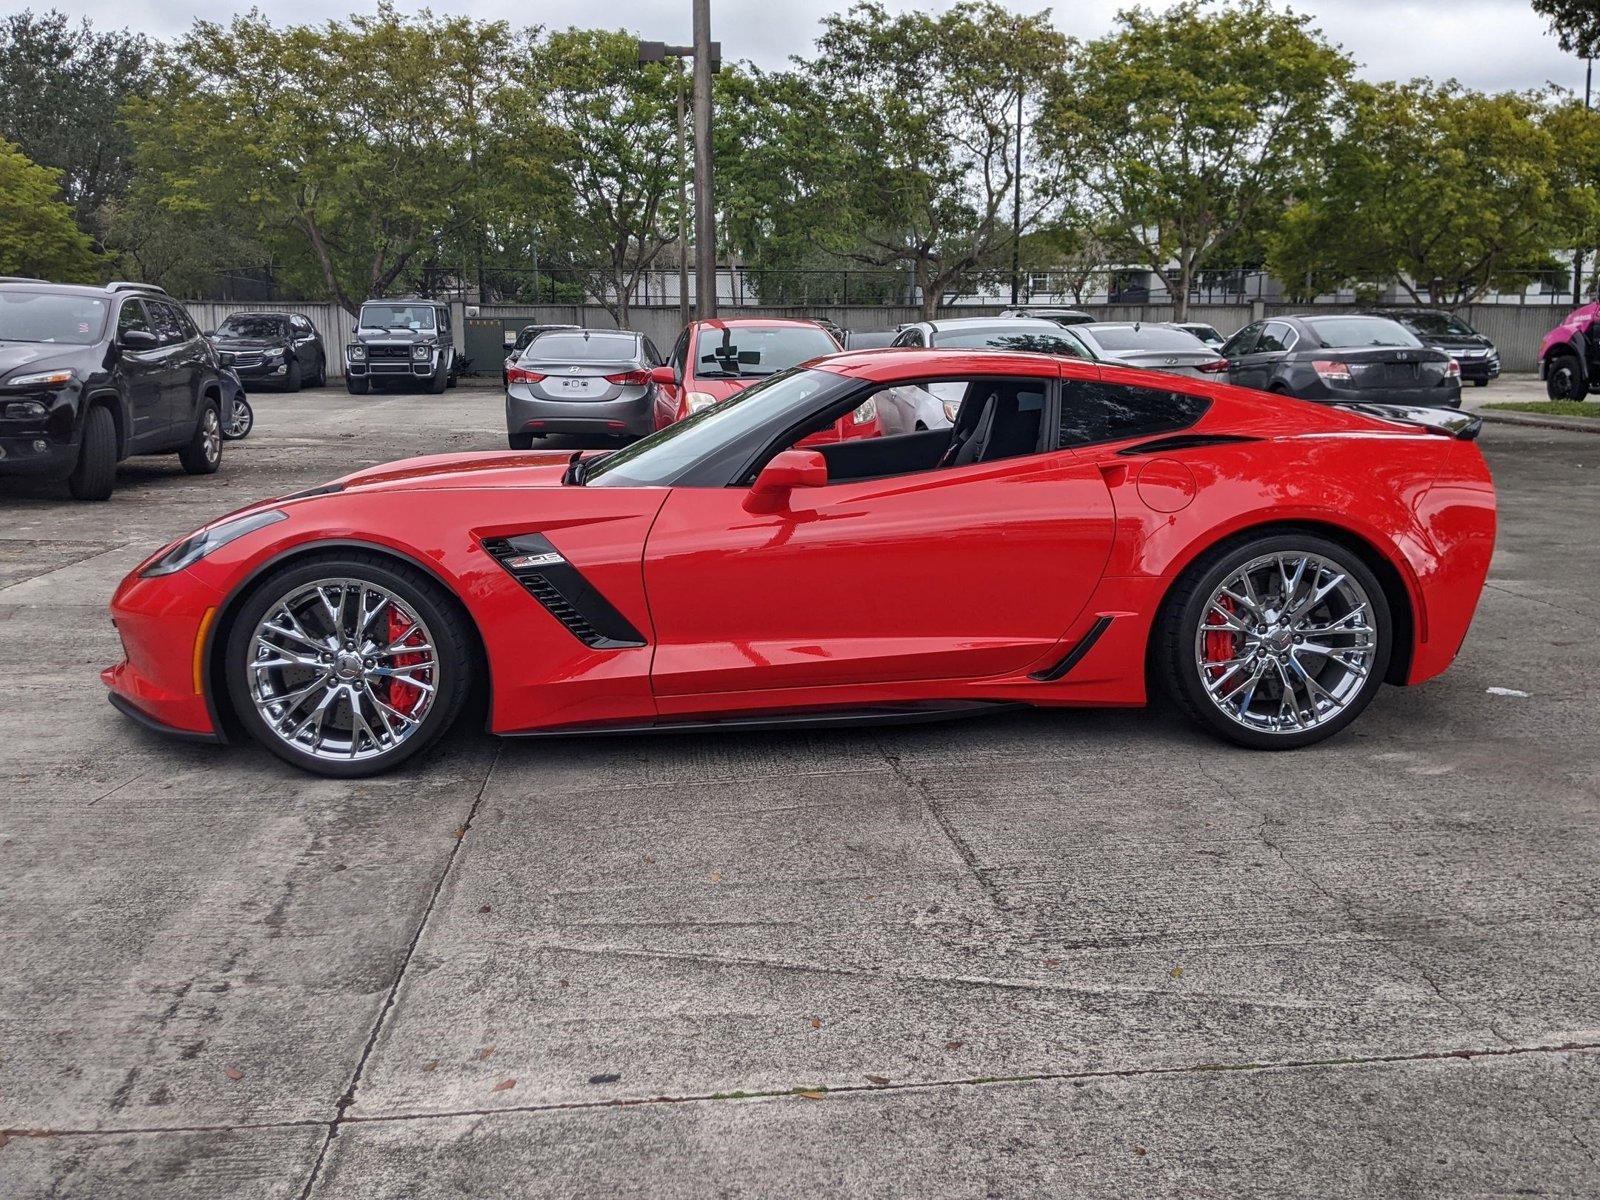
(1185, 1069)
(349, 1096)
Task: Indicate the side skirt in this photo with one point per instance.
(910, 713)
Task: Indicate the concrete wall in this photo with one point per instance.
(1516, 329)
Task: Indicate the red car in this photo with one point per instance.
(1272, 562)
(718, 358)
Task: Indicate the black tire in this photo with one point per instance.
(295, 377)
(1480, 383)
(520, 441)
(1563, 378)
(203, 454)
(322, 372)
(438, 381)
(94, 475)
(1178, 627)
(357, 387)
(452, 637)
(241, 420)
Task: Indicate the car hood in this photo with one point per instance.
(397, 336)
(16, 355)
(491, 469)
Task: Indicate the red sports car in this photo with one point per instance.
(1078, 531)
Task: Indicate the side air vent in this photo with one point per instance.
(1184, 441)
(568, 597)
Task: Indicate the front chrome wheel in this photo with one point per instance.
(240, 418)
(342, 669)
(1287, 643)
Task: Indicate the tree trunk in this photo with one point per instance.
(1180, 301)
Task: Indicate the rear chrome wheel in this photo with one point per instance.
(347, 668)
(1277, 641)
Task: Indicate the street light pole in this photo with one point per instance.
(705, 233)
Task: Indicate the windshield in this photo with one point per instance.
(47, 317)
(1348, 333)
(1205, 333)
(582, 348)
(656, 460)
(397, 316)
(1008, 337)
(753, 352)
(252, 327)
(1437, 323)
(1145, 337)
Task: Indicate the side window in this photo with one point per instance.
(1242, 342)
(190, 329)
(909, 337)
(651, 354)
(169, 325)
(301, 327)
(1274, 338)
(680, 352)
(132, 316)
(1108, 412)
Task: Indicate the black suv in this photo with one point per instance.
(90, 375)
(280, 349)
(402, 341)
(1480, 361)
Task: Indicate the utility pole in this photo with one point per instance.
(1016, 208)
(683, 214)
(705, 233)
(707, 57)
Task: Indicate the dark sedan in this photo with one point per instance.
(585, 381)
(524, 336)
(281, 350)
(1342, 358)
(1479, 359)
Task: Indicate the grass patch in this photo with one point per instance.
(1552, 408)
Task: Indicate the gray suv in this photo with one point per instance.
(402, 341)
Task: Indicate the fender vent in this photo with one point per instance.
(566, 595)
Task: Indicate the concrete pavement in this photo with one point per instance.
(1095, 954)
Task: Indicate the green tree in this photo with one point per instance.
(62, 88)
(1186, 126)
(616, 157)
(1451, 192)
(356, 150)
(38, 235)
(1576, 24)
(892, 146)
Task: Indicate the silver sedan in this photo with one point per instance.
(584, 381)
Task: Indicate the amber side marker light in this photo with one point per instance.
(200, 648)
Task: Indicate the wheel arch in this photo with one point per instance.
(1396, 593)
(218, 702)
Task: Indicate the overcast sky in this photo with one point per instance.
(1488, 44)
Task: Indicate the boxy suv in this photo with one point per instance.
(91, 375)
(402, 341)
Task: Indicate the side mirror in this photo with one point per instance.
(664, 375)
(139, 339)
(789, 470)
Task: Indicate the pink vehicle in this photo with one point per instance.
(1569, 357)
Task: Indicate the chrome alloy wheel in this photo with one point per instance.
(342, 669)
(1287, 642)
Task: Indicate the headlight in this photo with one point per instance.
(275, 352)
(23, 409)
(356, 353)
(698, 400)
(42, 379)
(421, 353)
(197, 545)
(866, 413)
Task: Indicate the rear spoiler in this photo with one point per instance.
(1446, 422)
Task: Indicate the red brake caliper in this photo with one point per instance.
(403, 696)
(1220, 640)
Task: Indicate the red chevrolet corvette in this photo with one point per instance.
(1078, 532)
